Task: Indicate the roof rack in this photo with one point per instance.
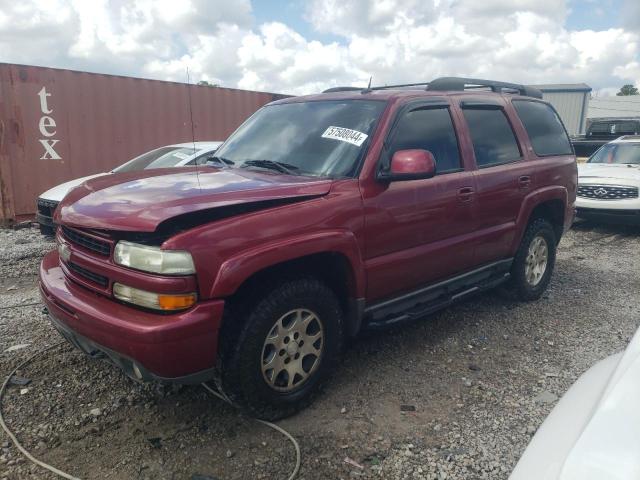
(343, 89)
(453, 83)
(461, 83)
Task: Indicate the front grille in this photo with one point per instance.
(88, 274)
(91, 243)
(47, 207)
(607, 192)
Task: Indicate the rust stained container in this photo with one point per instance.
(57, 125)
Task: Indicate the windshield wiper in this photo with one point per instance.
(220, 161)
(281, 167)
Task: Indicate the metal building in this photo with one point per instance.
(57, 125)
(614, 106)
(571, 100)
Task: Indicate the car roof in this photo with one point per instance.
(627, 139)
(392, 93)
(198, 145)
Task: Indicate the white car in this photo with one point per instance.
(608, 184)
(593, 433)
(177, 155)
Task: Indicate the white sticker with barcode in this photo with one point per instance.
(353, 137)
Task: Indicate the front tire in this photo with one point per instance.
(291, 339)
(534, 261)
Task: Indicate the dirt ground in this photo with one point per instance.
(456, 395)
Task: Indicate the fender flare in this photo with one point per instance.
(234, 271)
(530, 202)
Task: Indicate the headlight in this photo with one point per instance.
(157, 301)
(153, 259)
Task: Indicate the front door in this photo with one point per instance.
(418, 231)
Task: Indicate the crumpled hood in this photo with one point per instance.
(140, 201)
(603, 170)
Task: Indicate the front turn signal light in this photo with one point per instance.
(156, 301)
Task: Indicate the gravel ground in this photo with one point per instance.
(456, 395)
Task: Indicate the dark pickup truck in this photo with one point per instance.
(323, 215)
(602, 131)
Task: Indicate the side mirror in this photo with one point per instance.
(410, 165)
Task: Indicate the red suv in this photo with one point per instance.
(320, 216)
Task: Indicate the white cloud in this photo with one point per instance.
(392, 40)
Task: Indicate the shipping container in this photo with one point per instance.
(57, 125)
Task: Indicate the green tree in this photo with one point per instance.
(628, 90)
(207, 84)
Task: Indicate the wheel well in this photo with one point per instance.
(333, 268)
(552, 211)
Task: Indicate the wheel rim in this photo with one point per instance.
(292, 350)
(536, 262)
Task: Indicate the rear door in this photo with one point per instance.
(503, 177)
(417, 230)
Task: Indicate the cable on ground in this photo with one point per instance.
(10, 434)
(294, 473)
(62, 474)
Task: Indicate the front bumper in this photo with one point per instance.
(180, 347)
(631, 217)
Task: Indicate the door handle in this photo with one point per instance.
(465, 194)
(524, 181)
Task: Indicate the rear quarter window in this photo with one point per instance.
(545, 130)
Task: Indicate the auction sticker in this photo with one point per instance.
(353, 137)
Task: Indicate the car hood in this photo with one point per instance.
(58, 192)
(600, 170)
(140, 201)
(593, 433)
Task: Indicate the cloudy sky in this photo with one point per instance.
(298, 46)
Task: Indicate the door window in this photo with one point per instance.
(493, 140)
(428, 129)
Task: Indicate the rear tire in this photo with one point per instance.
(290, 340)
(534, 261)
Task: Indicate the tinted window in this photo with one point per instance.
(493, 139)
(323, 138)
(544, 128)
(428, 129)
(613, 128)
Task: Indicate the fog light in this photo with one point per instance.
(156, 301)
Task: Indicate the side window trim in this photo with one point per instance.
(488, 106)
(384, 160)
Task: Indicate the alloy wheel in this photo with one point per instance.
(292, 350)
(536, 262)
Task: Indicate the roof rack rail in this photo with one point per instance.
(343, 89)
(422, 84)
(461, 83)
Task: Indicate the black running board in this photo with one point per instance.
(435, 297)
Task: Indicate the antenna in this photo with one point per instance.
(193, 131)
(369, 86)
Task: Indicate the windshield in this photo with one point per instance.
(322, 138)
(618, 153)
(158, 158)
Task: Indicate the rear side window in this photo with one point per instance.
(428, 129)
(493, 139)
(544, 128)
